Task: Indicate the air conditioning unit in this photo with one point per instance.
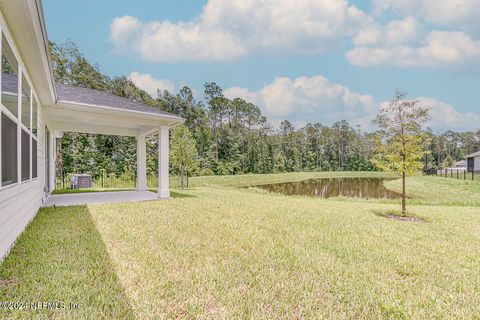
(80, 181)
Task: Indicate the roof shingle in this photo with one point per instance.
(103, 98)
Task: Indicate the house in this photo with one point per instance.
(473, 162)
(35, 112)
(458, 167)
(462, 164)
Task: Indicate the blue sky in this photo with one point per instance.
(302, 60)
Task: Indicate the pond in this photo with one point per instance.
(335, 187)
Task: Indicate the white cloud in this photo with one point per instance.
(444, 116)
(452, 13)
(395, 32)
(228, 29)
(316, 99)
(311, 98)
(399, 45)
(123, 31)
(151, 85)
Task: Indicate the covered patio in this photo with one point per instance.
(98, 112)
(76, 199)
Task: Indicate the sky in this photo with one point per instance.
(301, 60)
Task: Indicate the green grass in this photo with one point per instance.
(227, 253)
(62, 257)
(431, 190)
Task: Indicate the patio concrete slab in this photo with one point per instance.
(76, 199)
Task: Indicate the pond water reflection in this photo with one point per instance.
(341, 187)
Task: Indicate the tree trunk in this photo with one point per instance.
(404, 195)
(181, 177)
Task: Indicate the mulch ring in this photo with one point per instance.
(394, 215)
(402, 218)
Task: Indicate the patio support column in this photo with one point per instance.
(141, 163)
(163, 162)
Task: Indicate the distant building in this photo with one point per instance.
(462, 164)
(458, 167)
(473, 162)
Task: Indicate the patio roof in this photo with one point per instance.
(93, 111)
(99, 112)
(79, 95)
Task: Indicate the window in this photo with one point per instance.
(34, 116)
(25, 156)
(34, 159)
(15, 122)
(9, 151)
(25, 103)
(9, 78)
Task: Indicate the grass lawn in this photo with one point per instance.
(226, 253)
(433, 190)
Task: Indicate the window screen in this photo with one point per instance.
(9, 78)
(25, 103)
(34, 159)
(34, 116)
(25, 156)
(9, 151)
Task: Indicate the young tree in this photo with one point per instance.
(448, 162)
(400, 143)
(183, 150)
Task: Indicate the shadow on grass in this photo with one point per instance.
(61, 258)
(179, 194)
(176, 193)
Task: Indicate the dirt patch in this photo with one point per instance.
(402, 218)
(394, 215)
(8, 283)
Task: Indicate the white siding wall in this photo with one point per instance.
(477, 163)
(19, 203)
(53, 157)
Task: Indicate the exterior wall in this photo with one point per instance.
(477, 163)
(53, 157)
(20, 202)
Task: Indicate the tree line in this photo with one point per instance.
(230, 136)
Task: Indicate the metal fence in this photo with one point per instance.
(460, 174)
(121, 181)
